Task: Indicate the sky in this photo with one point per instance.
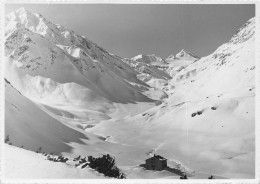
(162, 29)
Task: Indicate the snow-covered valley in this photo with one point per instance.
(69, 96)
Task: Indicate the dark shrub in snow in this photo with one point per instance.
(82, 160)
(213, 108)
(106, 165)
(199, 112)
(184, 177)
(84, 165)
(211, 177)
(77, 158)
(193, 114)
(62, 159)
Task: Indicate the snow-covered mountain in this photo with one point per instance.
(152, 71)
(66, 72)
(182, 55)
(66, 94)
(148, 65)
(230, 68)
(179, 61)
(37, 47)
(149, 59)
(208, 120)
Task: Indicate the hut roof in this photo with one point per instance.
(158, 157)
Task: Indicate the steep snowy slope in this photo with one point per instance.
(28, 125)
(208, 121)
(229, 69)
(72, 77)
(37, 47)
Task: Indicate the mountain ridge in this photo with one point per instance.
(81, 54)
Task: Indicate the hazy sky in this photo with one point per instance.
(129, 30)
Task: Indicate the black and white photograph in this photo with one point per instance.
(158, 91)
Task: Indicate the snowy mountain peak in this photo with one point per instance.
(242, 35)
(138, 57)
(182, 55)
(245, 32)
(147, 58)
(172, 56)
(148, 66)
(21, 15)
(186, 55)
(23, 18)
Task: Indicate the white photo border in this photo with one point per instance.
(133, 181)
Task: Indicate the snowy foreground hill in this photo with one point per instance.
(67, 95)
